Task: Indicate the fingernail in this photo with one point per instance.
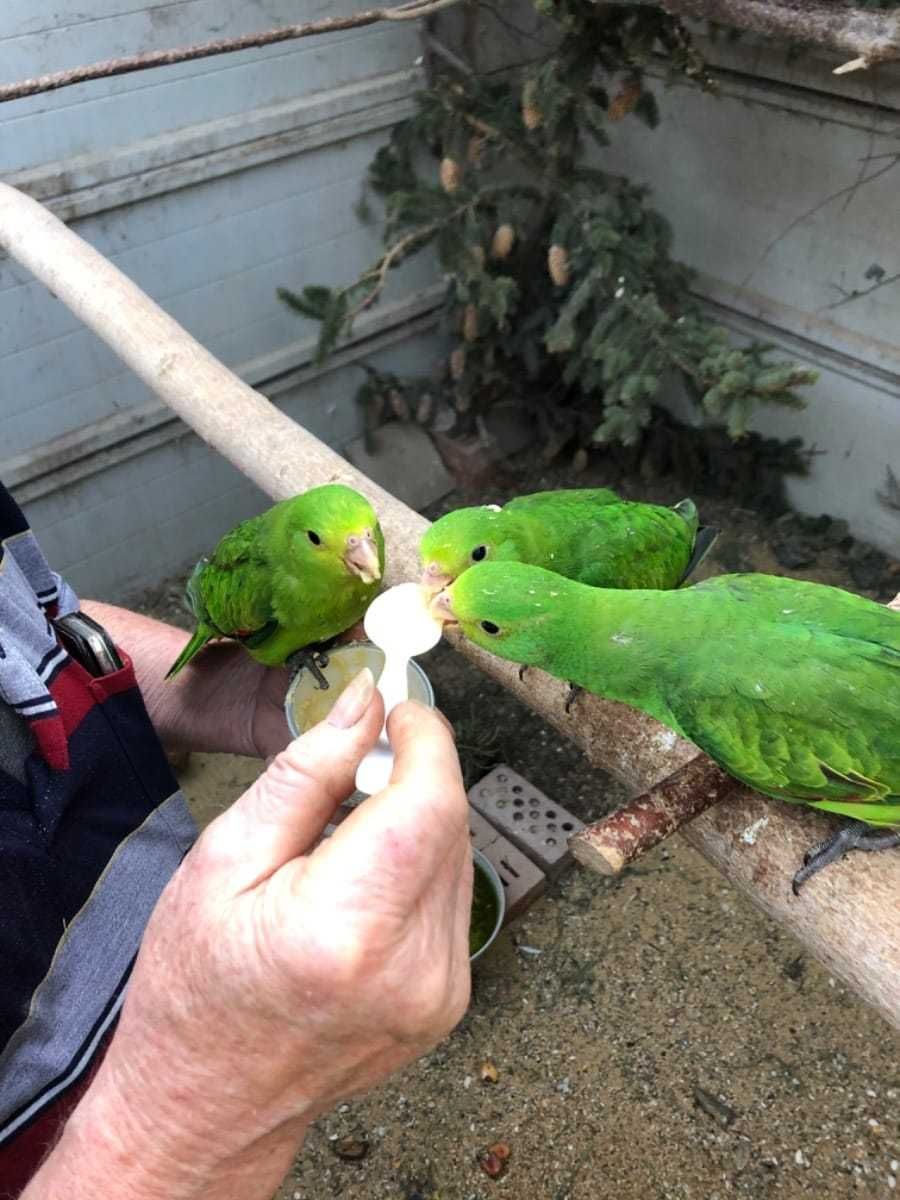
(353, 701)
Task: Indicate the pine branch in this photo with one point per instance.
(391, 258)
(410, 11)
(871, 36)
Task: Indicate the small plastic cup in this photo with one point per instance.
(305, 704)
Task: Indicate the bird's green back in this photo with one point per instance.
(586, 534)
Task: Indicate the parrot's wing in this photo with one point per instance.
(807, 715)
(236, 584)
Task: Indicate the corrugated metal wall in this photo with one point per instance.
(783, 194)
(210, 184)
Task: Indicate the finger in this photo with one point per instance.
(283, 813)
(414, 834)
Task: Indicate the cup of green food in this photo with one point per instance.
(488, 906)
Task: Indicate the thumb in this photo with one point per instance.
(283, 813)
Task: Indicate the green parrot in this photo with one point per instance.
(587, 534)
(791, 687)
(293, 577)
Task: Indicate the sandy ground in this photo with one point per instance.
(655, 1038)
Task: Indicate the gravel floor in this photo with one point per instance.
(654, 1037)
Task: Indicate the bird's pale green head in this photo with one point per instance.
(512, 609)
(461, 538)
(335, 527)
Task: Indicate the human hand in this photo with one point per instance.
(276, 975)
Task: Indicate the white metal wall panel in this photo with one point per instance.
(210, 184)
(769, 192)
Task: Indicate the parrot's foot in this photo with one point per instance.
(313, 661)
(856, 835)
(574, 692)
(522, 671)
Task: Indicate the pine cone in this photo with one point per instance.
(532, 117)
(579, 460)
(504, 237)
(558, 264)
(624, 102)
(457, 363)
(451, 174)
(470, 323)
(475, 150)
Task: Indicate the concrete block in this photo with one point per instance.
(405, 463)
(531, 820)
(523, 881)
(482, 832)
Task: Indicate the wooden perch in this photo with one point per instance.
(868, 35)
(847, 916)
(611, 844)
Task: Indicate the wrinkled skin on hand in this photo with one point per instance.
(278, 976)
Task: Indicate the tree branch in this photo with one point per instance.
(870, 36)
(163, 58)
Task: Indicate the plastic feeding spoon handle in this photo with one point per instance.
(398, 623)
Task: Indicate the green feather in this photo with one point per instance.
(586, 534)
(281, 581)
(791, 687)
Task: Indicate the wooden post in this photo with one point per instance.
(847, 916)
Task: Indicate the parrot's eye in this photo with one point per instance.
(479, 553)
(314, 537)
(490, 627)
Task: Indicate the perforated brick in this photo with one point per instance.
(481, 832)
(523, 881)
(531, 820)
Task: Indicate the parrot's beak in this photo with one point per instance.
(433, 578)
(441, 608)
(361, 557)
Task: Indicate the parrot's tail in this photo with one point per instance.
(202, 635)
(707, 536)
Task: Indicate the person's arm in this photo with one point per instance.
(275, 979)
(224, 702)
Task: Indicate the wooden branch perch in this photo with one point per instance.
(847, 916)
(870, 36)
(248, 41)
(611, 844)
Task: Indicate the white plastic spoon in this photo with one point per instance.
(399, 623)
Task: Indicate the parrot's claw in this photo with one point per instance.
(574, 692)
(522, 671)
(856, 835)
(313, 661)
